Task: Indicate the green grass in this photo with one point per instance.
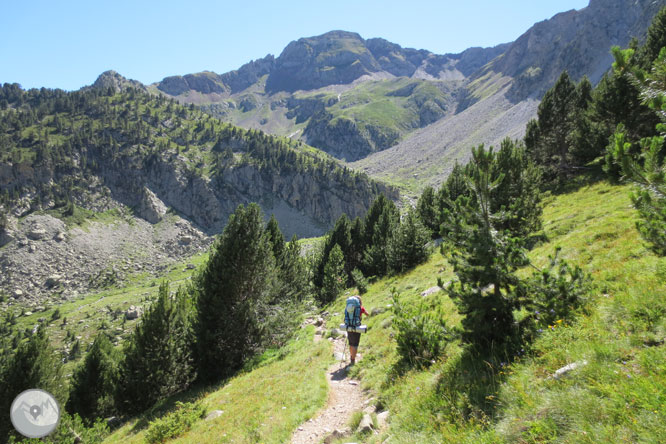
(85, 314)
(264, 405)
(619, 396)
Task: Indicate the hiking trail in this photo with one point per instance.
(344, 398)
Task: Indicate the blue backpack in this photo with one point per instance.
(353, 312)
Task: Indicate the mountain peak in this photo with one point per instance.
(111, 79)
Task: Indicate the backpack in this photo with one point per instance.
(353, 312)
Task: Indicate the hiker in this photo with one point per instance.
(355, 337)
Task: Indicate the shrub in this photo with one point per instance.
(175, 423)
(421, 335)
(360, 281)
(557, 291)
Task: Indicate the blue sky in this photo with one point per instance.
(67, 44)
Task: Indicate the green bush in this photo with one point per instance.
(175, 423)
(360, 281)
(422, 334)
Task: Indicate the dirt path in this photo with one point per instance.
(344, 398)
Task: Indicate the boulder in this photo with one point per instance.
(186, 240)
(36, 233)
(151, 208)
(377, 310)
(214, 414)
(382, 419)
(365, 426)
(53, 281)
(337, 434)
(568, 368)
(431, 290)
(133, 312)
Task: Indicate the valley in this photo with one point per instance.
(176, 258)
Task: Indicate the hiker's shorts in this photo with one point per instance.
(354, 338)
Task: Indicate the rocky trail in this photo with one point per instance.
(345, 397)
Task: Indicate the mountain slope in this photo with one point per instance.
(97, 153)
(501, 97)
(336, 91)
(339, 92)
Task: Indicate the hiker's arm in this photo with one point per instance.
(364, 312)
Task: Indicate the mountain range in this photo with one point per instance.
(120, 158)
(405, 115)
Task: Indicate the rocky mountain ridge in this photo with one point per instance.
(327, 69)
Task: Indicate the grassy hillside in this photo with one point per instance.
(618, 396)
(283, 389)
(617, 393)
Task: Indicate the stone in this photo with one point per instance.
(133, 312)
(335, 333)
(60, 237)
(36, 233)
(319, 321)
(568, 368)
(431, 290)
(365, 426)
(337, 434)
(53, 281)
(113, 422)
(377, 311)
(191, 266)
(382, 419)
(214, 414)
(186, 240)
(18, 293)
(150, 207)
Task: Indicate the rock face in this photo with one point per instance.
(203, 82)
(576, 41)
(340, 57)
(111, 79)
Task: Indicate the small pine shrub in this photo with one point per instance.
(557, 292)
(422, 334)
(360, 281)
(175, 423)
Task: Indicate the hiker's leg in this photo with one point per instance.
(354, 339)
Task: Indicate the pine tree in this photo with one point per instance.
(335, 277)
(428, 210)
(380, 221)
(517, 194)
(484, 259)
(656, 39)
(34, 365)
(93, 383)
(408, 244)
(275, 237)
(647, 172)
(158, 357)
(549, 139)
(340, 235)
(233, 291)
